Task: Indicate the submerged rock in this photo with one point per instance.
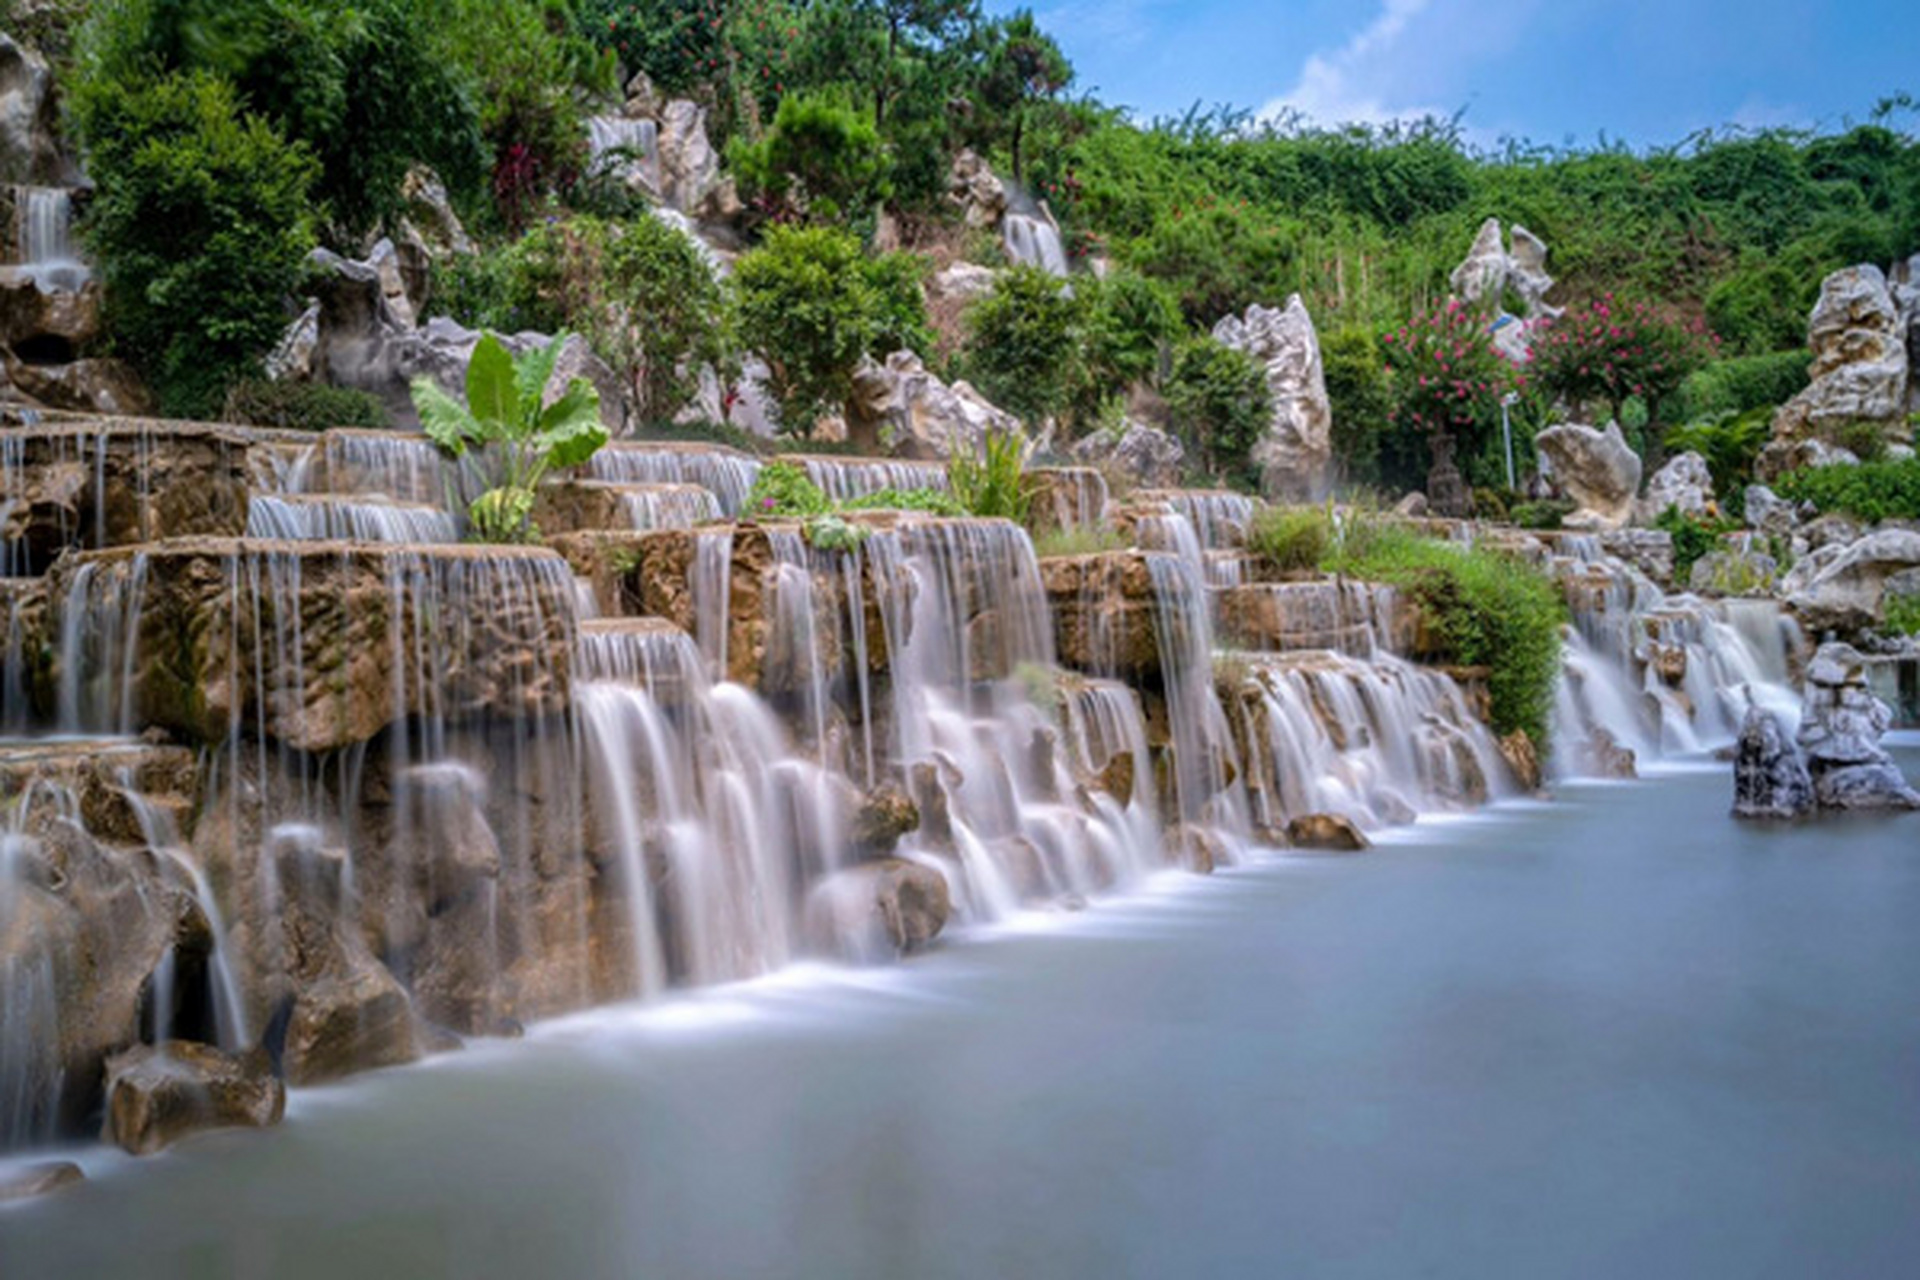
(892, 906)
(1327, 833)
(155, 1097)
(1840, 732)
(40, 1180)
(1770, 779)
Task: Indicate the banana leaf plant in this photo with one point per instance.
(519, 436)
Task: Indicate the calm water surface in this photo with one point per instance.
(1615, 1036)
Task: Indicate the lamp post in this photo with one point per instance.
(1506, 429)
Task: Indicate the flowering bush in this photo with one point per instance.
(1447, 377)
(1609, 350)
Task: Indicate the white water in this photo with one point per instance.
(1034, 241)
(45, 231)
(628, 148)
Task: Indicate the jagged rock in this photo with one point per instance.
(1648, 550)
(1198, 849)
(1783, 456)
(1859, 371)
(155, 1097)
(1116, 777)
(1602, 756)
(431, 215)
(643, 99)
(1065, 498)
(1297, 448)
(1683, 484)
(1844, 587)
(1523, 758)
(1327, 833)
(1411, 507)
(292, 358)
(1770, 778)
(972, 185)
(41, 320)
(1734, 573)
(1771, 514)
(1840, 730)
(83, 386)
(889, 907)
(30, 151)
(689, 166)
(1865, 786)
(882, 818)
(36, 1180)
(1597, 469)
(1339, 614)
(905, 409)
(964, 281)
(1140, 457)
(1491, 274)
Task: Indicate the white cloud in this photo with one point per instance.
(1351, 84)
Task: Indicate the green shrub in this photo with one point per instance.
(1219, 403)
(1060, 543)
(1866, 441)
(1730, 443)
(1761, 307)
(1129, 321)
(992, 481)
(821, 159)
(1693, 538)
(1871, 491)
(1740, 385)
(1361, 395)
(200, 226)
(1024, 343)
(1903, 613)
(783, 489)
(302, 406)
(1541, 515)
(831, 533)
(657, 317)
(1291, 539)
(1484, 608)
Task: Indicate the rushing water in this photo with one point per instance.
(1618, 1035)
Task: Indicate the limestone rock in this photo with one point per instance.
(1327, 833)
(1781, 456)
(1103, 612)
(1734, 573)
(1065, 498)
(1523, 758)
(981, 196)
(964, 281)
(83, 386)
(1770, 778)
(1840, 730)
(1683, 484)
(1859, 371)
(1769, 513)
(1602, 756)
(1597, 469)
(1648, 550)
(1294, 454)
(30, 151)
(913, 414)
(1845, 587)
(890, 907)
(1138, 457)
(882, 818)
(37, 319)
(690, 175)
(155, 1097)
(431, 214)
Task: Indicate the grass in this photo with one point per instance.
(1059, 543)
(1291, 539)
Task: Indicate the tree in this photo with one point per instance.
(1610, 351)
(507, 417)
(813, 306)
(663, 318)
(1024, 347)
(1220, 405)
(201, 226)
(1022, 66)
(821, 160)
(1447, 380)
(1129, 322)
(1361, 396)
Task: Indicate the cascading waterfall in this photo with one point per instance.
(670, 506)
(728, 476)
(331, 518)
(1033, 241)
(842, 479)
(45, 235)
(630, 148)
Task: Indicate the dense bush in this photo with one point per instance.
(1903, 614)
(200, 227)
(783, 488)
(1128, 323)
(1024, 343)
(659, 318)
(1871, 491)
(1741, 384)
(1447, 377)
(1360, 393)
(302, 406)
(1730, 443)
(1613, 351)
(1762, 307)
(821, 162)
(1484, 608)
(1693, 537)
(1291, 539)
(1219, 405)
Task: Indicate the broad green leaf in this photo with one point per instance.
(570, 429)
(532, 372)
(444, 419)
(491, 397)
(502, 515)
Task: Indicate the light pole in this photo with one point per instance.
(1506, 429)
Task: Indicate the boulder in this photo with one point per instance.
(1602, 756)
(1523, 758)
(1770, 778)
(883, 817)
(1859, 371)
(1841, 726)
(30, 151)
(82, 386)
(903, 408)
(1782, 456)
(1648, 550)
(1769, 513)
(1327, 833)
(982, 197)
(431, 215)
(1844, 587)
(43, 322)
(1683, 484)
(690, 175)
(41, 1179)
(156, 1096)
(964, 282)
(1597, 469)
(1139, 457)
(1294, 454)
(877, 909)
(1734, 573)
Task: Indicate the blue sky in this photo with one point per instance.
(1648, 71)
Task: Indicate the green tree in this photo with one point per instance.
(1361, 396)
(200, 226)
(1220, 405)
(1021, 69)
(820, 159)
(1024, 347)
(663, 316)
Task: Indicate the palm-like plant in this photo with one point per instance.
(506, 417)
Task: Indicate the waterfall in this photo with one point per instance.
(843, 479)
(45, 232)
(331, 518)
(729, 476)
(670, 506)
(629, 148)
(1033, 241)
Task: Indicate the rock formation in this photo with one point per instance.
(1597, 469)
(1684, 484)
(157, 1096)
(1770, 779)
(982, 197)
(30, 150)
(905, 410)
(1843, 585)
(1859, 369)
(1138, 457)
(1840, 732)
(1490, 272)
(1294, 454)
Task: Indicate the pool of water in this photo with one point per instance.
(1616, 1035)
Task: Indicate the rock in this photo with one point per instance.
(972, 185)
(1783, 456)
(431, 214)
(1683, 484)
(1518, 751)
(155, 1097)
(1327, 833)
(1140, 457)
(964, 281)
(1490, 276)
(1862, 787)
(1116, 777)
(1769, 513)
(292, 358)
(884, 816)
(1103, 612)
(1840, 730)
(1859, 371)
(1411, 507)
(385, 260)
(1294, 454)
(643, 100)
(1770, 778)
(1602, 756)
(1198, 849)
(1065, 498)
(41, 1179)
(1338, 614)
(1734, 573)
(1844, 588)
(83, 386)
(903, 408)
(1648, 550)
(892, 906)
(1597, 469)
(30, 151)
(690, 167)
(52, 324)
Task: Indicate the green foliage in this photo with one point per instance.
(1447, 377)
(1060, 543)
(507, 418)
(1741, 384)
(1291, 539)
(831, 533)
(992, 480)
(1219, 404)
(302, 406)
(1360, 393)
(1615, 351)
(1762, 306)
(1865, 440)
(1731, 443)
(1024, 343)
(1693, 537)
(658, 315)
(783, 489)
(1871, 491)
(1541, 515)
(934, 502)
(1903, 614)
(1485, 608)
(200, 228)
(821, 161)
(812, 304)
(1128, 322)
